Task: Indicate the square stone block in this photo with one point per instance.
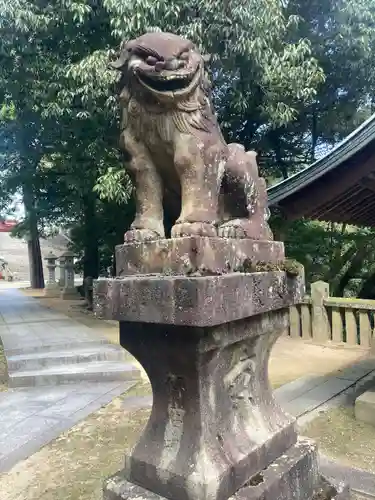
(365, 407)
(194, 254)
(293, 476)
(195, 301)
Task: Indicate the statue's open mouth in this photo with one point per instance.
(166, 84)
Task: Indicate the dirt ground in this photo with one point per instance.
(293, 358)
(3, 371)
(341, 437)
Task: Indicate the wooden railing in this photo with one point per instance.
(324, 319)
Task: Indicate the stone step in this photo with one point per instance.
(40, 360)
(55, 347)
(96, 371)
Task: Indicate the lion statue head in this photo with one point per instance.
(163, 65)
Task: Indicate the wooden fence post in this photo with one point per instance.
(321, 331)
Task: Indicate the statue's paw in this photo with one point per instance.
(193, 229)
(232, 229)
(255, 228)
(140, 235)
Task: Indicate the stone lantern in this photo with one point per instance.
(69, 291)
(52, 288)
(61, 266)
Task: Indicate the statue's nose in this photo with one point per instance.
(174, 64)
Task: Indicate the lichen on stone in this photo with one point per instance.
(290, 267)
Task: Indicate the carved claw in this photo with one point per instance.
(140, 235)
(231, 230)
(193, 229)
(255, 229)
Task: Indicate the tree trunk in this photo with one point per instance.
(351, 272)
(279, 224)
(91, 238)
(35, 263)
(33, 243)
(368, 288)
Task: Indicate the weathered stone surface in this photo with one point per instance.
(365, 407)
(194, 313)
(195, 254)
(179, 158)
(361, 482)
(214, 421)
(196, 301)
(293, 476)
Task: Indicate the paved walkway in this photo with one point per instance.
(46, 347)
(60, 371)
(306, 397)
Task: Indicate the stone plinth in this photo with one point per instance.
(215, 429)
(214, 422)
(294, 475)
(365, 407)
(194, 254)
(195, 301)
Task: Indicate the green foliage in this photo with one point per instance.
(114, 185)
(288, 77)
(339, 254)
(265, 64)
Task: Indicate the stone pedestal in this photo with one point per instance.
(204, 332)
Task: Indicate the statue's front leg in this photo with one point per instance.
(198, 171)
(148, 223)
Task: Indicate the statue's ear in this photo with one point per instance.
(206, 58)
(122, 58)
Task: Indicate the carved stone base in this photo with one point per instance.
(195, 301)
(52, 290)
(204, 335)
(214, 421)
(69, 294)
(294, 476)
(189, 255)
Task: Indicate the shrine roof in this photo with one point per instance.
(339, 187)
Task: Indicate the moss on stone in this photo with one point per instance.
(290, 267)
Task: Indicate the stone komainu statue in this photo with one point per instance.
(177, 155)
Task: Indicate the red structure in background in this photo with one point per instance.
(7, 225)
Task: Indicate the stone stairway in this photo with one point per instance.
(106, 363)
(46, 348)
